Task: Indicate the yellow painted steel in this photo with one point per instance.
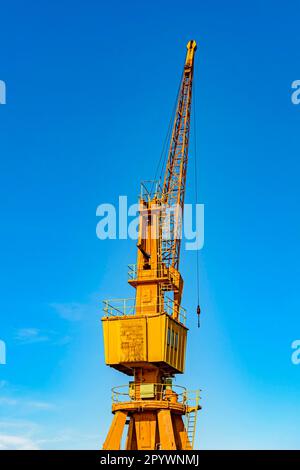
(158, 339)
(145, 337)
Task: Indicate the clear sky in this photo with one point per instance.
(90, 89)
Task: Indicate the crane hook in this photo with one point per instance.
(198, 313)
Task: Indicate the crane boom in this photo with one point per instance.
(175, 175)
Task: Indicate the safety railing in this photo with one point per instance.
(126, 307)
(149, 391)
(170, 307)
(193, 398)
(119, 307)
(160, 271)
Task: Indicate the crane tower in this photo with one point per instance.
(145, 337)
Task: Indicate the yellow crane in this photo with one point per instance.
(145, 337)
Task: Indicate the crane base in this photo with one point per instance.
(151, 425)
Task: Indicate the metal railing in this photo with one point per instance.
(149, 391)
(170, 307)
(119, 307)
(190, 399)
(160, 271)
(126, 307)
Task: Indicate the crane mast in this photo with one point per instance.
(145, 337)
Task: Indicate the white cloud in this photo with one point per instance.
(35, 335)
(3, 383)
(31, 335)
(27, 405)
(8, 401)
(40, 405)
(19, 427)
(13, 442)
(24, 435)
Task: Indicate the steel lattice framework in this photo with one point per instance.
(175, 175)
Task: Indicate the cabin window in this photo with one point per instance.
(172, 338)
(176, 340)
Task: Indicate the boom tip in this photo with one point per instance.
(191, 44)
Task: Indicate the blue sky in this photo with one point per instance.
(90, 89)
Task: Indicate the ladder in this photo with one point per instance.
(191, 419)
